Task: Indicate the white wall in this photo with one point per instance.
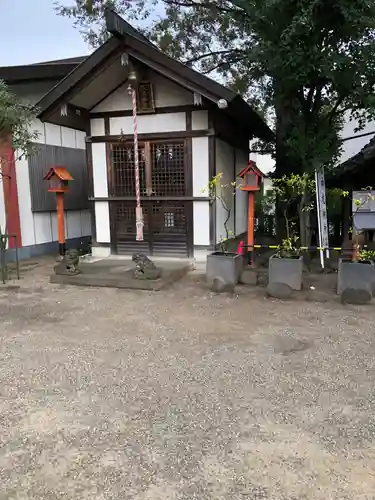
(225, 165)
(241, 196)
(147, 124)
(39, 228)
(99, 166)
(201, 209)
(199, 120)
(166, 93)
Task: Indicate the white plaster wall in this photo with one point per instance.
(353, 146)
(201, 209)
(103, 232)
(241, 196)
(97, 126)
(37, 228)
(166, 93)
(200, 165)
(99, 165)
(201, 217)
(199, 120)
(146, 124)
(99, 168)
(225, 165)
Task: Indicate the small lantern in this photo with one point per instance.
(251, 176)
(58, 178)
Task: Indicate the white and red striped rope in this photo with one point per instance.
(139, 215)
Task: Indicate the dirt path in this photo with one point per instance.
(110, 394)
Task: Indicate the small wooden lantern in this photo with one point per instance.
(59, 179)
(251, 176)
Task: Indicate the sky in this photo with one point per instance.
(31, 32)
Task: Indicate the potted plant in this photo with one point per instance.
(222, 264)
(286, 266)
(357, 270)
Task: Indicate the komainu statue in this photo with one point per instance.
(145, 269)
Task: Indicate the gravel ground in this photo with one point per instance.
(111, 394)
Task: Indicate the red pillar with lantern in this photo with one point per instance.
(251, 177)
(59, 179)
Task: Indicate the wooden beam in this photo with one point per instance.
(128, 112)
(183, 134)
(150, 198)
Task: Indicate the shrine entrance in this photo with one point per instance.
(162, 178)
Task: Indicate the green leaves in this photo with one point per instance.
(302, 63)
(224, 193)
(16, 118)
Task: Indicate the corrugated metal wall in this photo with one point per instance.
(74, 160)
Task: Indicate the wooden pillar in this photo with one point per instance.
(60, 222)
(9, 179)
(250, 227)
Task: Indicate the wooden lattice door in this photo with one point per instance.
(163, 189)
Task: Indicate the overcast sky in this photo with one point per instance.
(32, 32)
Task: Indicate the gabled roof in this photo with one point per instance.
(356, 172)
(50, 70)
(367, 153)
(60, 172)
(140, 48)
(252, 166)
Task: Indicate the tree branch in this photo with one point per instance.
(331, 114)
(215, 53)
(318, 97)
(204, 5)
(302, 101)
(223, 63)
(309, 97)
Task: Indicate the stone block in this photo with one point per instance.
(249, 277)
(279, 290)
(288, 271)
(357, 296)
(355, 275)
(227, 266)
(220, 286)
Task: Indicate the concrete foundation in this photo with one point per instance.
(115, 273)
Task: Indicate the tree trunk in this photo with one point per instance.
(284, 165)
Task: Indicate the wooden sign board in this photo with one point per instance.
(145, 98)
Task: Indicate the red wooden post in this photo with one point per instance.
(59, 178)
(60, 222)
(250, 227)
(251, 176)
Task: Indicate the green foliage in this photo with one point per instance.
(88, 15)
(289, 190)
(366, 255)
(301, 63)
(291, 187)
(289, 248)
(16, 119)
(224, 193)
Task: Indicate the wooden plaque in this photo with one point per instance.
(145, 98)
